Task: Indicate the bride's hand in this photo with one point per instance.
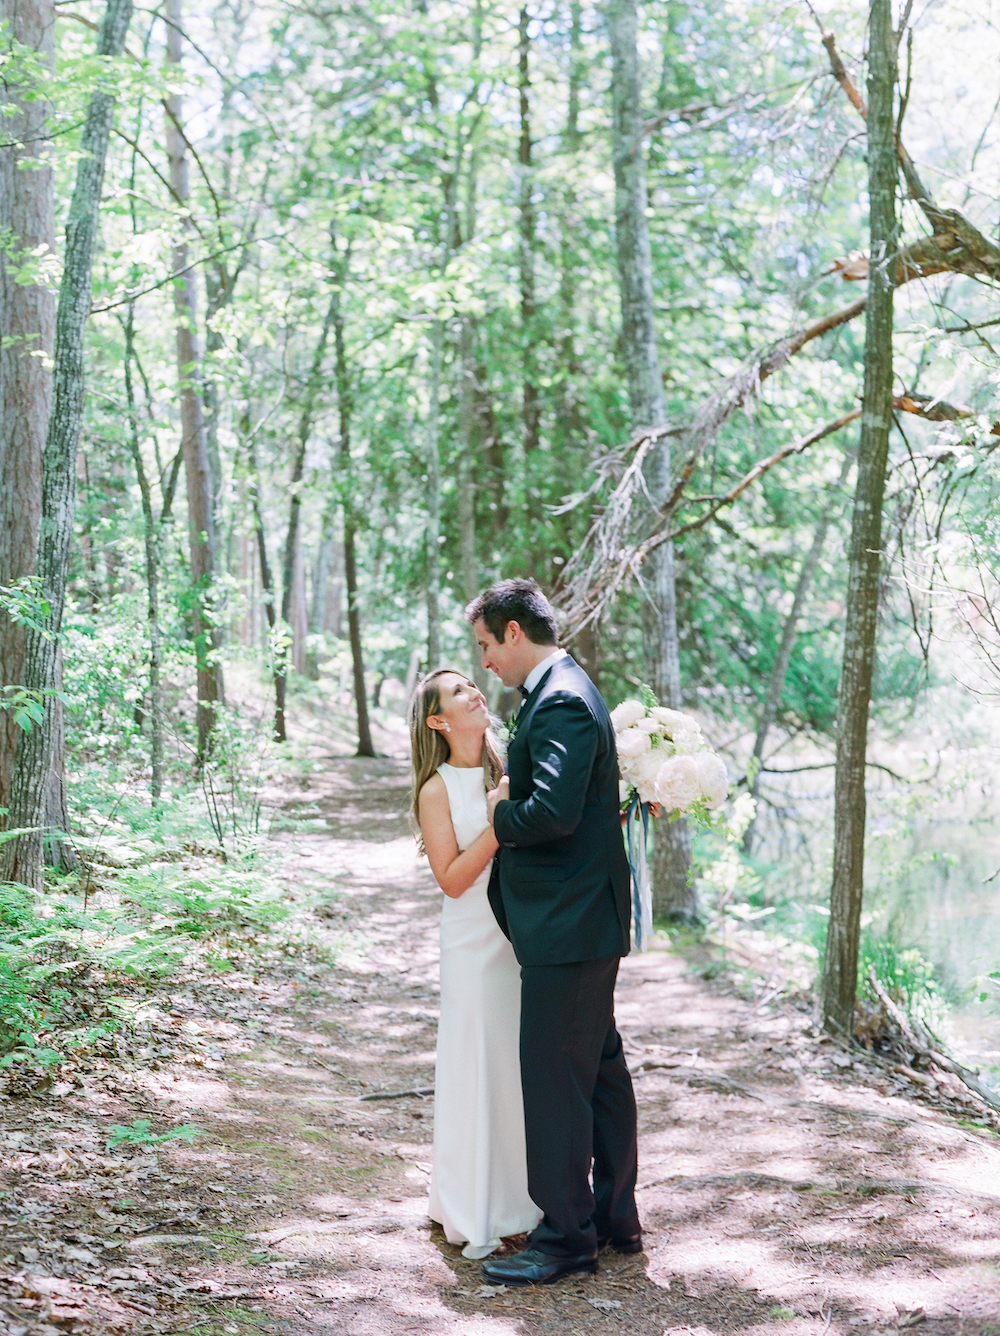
(497, 795)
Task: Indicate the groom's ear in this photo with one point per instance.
(512, 633)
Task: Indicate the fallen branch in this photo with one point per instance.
(399, 1094)
(932, 1055)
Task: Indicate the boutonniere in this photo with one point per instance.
(512, 727)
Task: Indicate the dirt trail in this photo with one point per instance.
(776, 1197)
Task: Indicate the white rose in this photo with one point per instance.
(628, 713)
(632, 743)
(648, 725)
(713, 777)
(643, 772)
(671, 719)
(678, 784)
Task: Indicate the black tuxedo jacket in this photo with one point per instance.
(560, 881)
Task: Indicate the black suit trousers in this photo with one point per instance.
(579, 1108)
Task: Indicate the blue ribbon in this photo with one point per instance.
(636, 836)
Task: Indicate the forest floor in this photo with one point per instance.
(784, 1187)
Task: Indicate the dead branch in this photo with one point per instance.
(611, 553)
(929, 1053)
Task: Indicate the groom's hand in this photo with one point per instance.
(497, 795)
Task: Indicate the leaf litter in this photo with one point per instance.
(781, 1190)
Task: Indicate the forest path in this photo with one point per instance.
(776, 1197)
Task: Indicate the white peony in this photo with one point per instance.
(643, 773)
(632, 743)
(648, 725)
(687, 740)
(712, 777)
(628, 713)
(678, 784)
(671, 719)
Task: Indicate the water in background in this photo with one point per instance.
(937, 898)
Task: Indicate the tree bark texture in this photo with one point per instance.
(345, 404)
(27, 331)
(194, 439)
(291, 552)
(32, 772)
(840, 964)
(674, 896)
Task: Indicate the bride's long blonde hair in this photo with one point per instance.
(428, 748)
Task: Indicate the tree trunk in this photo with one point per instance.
(674, 896)
(321, 584)
(194, 441)
(275, 649)
(291, 551)
(840, 966)
(779, 669)
(526, 209)
(32, 772)
(432, 538)
(27, 327)
(345, 405)
(152, 578)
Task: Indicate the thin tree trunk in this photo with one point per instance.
(530, 409)
(27, 327)
(321, 584)
(840, 966)
(31, 781)
(197, 465)
(674, 895)
(433, 533)
(779, 669)
(345, 405)
(152, 577)
(266, 585)
(295, 507)
(468, 565)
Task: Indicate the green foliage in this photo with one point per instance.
(140, 1133)
(906, 975)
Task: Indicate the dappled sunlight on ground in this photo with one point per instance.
(781, 1194)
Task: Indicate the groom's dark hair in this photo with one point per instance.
(518, 601)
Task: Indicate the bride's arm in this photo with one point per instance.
(454, 872)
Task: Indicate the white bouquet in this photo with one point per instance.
(662, 758)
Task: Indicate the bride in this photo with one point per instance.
(479, 1186)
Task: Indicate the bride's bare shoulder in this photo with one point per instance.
(433, 795)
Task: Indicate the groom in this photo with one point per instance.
(560, 891)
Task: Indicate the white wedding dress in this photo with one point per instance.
(479, 1183)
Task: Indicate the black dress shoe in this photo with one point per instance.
(631, 1244)
(533, 1267)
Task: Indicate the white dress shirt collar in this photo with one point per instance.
(540, 669)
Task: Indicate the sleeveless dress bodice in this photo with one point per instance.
(479, 1185)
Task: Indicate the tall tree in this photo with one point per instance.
(530, 408)
(291, 552)
(194, 438)
(31, 780)
(27, 330)
(673, 894)
(840, 966)
(345, 404)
